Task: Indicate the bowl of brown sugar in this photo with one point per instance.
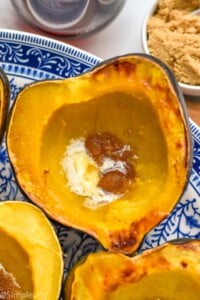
(171, 32)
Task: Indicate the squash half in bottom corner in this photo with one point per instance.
(107, 152)
(165, 273)
(31, 265)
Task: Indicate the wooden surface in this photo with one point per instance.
(123, 35)
(194, 109)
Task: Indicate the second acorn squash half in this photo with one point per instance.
(31, 263)
(135, 99)
(170, 271)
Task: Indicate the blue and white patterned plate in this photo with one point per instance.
(26, 58)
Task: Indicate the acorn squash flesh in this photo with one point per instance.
(4, 100)
(31, 264)
(166, 272)
(136, 100)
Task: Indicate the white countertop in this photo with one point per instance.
(121, 36)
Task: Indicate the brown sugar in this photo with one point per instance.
(9, 289)
(105, 145)
(174, 37)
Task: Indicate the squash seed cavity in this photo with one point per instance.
(98, 167)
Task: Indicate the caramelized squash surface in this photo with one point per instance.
(134, 98)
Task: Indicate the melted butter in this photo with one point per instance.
(110, 164)
(83, 174)
(85, 171)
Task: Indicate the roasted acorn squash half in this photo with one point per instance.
(4, 101)
(107, 152)
(167, 272)
(31, 264)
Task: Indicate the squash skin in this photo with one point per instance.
(170, 271)
(32, 246)
(136, 74)
(4, 101)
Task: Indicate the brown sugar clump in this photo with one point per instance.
(174, 37)
(9, 289)
(105, 145)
